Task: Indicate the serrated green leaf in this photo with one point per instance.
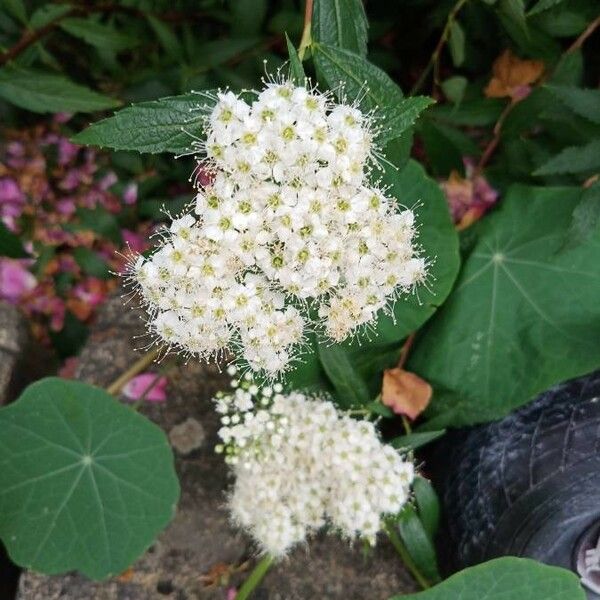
(416, 440)
(10, 244)
(584, 102)
(575, 159)
(351, 390)
(417, 542)
(166, 125)
(297, 74)
(428, 506)
(438, 238)
(506, 332)
(341, 23)
(397, 119)
(350, 75)
(456, 43)
(44, 93)
(505, 578)
(543, 5)
(86, 483)
(98, 34)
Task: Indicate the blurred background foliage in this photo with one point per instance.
(515, 84)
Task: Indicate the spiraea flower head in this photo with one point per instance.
(288, 234)
(300, 464)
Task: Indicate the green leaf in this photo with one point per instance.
(100, 221)
(505, 578)
(584, 102)
(414, 441)
(428, 506)
(575, 159)
(454, 88)
(586, 217)
(167, 125)
(40, 92)
(16, 9)
(397, 119)
(456, 43)
(351, 390)
(90, 263)
(543, 5)
(86, 483)
(167, 38)
(10, 244)
(340, 23)
(506, 332)
(98, 34)
(350, 75)
(47, 13)
(297, 74)
(417, 542)
(472, 113)
(437, 236)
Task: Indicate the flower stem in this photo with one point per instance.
(137, 367)
(260, 570)
(433, 61)
(404, 555)
(306, 40)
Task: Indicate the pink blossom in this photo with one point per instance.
(66, 151)
(130, 193)
(67, 371)
(66, 206)
(11, 198)
(62, 117)
(148, 386)
(15, 280)
(107, 181)
(135, 241)
(231, 593)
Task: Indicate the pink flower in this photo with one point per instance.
(66, 151)
(148, 386)
(135, 241)
(67, 371)
(107, 181)
(130, 193)
(15, 280)
(65, 206)
(12, 200)
(231, 593)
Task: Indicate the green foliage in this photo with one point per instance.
(428, 506)
(341, 23)
(574, 159)
(506, 332)
(414, 441)
(98, 34)
(503, 579)
(167, 125)
(10, 244)
(40, 92)
(85, 483)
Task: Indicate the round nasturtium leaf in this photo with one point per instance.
(86, 483)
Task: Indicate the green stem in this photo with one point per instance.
(260, 570)
(404, 555)
(433, 61)
(306, 40)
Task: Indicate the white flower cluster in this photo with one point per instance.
(299, 464)
(288, 235)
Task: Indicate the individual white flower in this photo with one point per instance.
(300, 463)
(288, 226)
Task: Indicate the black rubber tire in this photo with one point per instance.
(528, 485)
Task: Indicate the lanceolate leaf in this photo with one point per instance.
(167, 125)
(44, 93)
(399, 118)
(86, 483)
(350, 75)
(10, 244)
(574, 159)
(506, 578)
(506, 332)
(341, 23)
(98, 34)
(296, 69)
(584, 102)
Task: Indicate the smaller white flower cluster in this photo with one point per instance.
(290, 234)
(300, 464)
